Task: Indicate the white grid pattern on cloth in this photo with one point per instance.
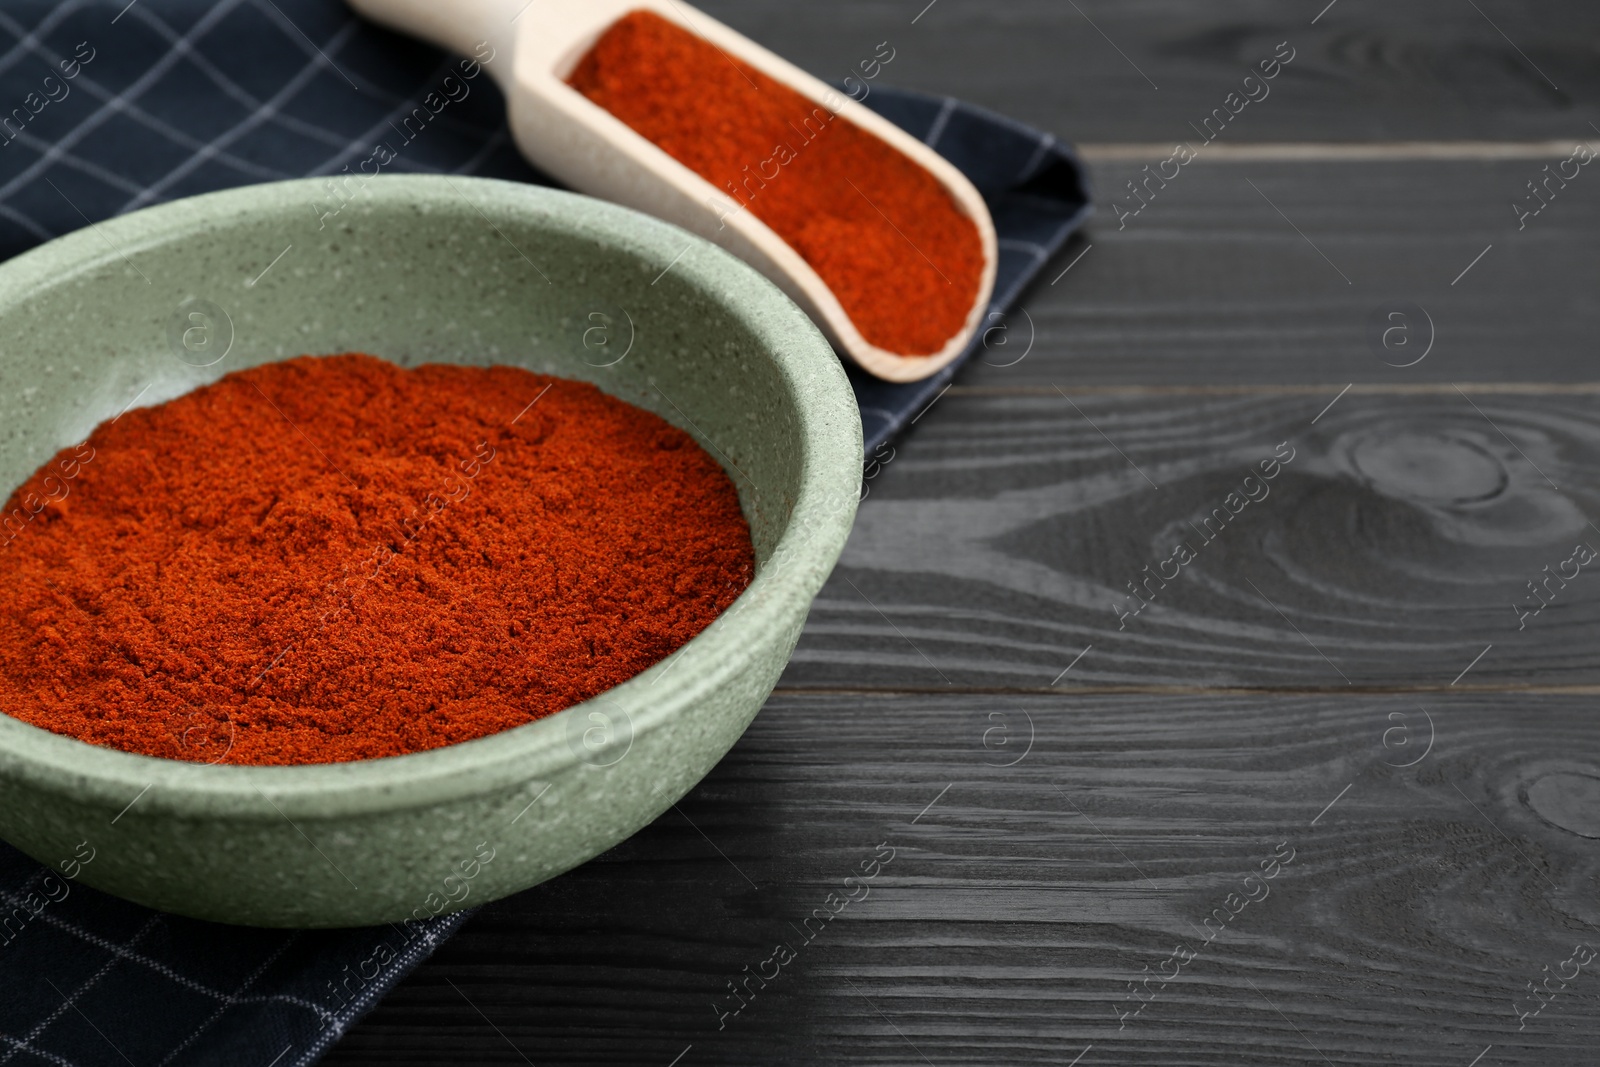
(230, 1000)
(16, 1044)
(1040, 154)
(213, 149)
(25, 221)
(184, 47)
(232, 88)
(299, 35)
(95, 170)
(26, 1043)
(123, 952)
(409, 957)
(936, 131)
(120, 103)
(358, 145)
(28, 40)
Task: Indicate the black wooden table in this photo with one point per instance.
(1324, 788)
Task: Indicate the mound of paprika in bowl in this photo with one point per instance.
(386, 561)
(527, 348)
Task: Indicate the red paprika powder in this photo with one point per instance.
(880, 230)
(334, 558)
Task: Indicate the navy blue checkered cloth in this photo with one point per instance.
(106, 108)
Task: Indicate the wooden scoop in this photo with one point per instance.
(531, 46)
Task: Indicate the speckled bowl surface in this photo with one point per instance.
(146, 307)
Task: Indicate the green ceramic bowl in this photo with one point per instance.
(146, 307)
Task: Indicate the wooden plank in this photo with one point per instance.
(1210, 284)
(1423, 70)
(1024, 899)
(1017, 909)
(1000, 539)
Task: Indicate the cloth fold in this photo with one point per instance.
(109, 107)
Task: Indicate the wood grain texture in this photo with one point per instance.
(1018, 908)
(1367, 70)
(998, 542)
(1210, 284)
(1271, 692)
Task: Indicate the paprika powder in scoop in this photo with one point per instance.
(884, 234)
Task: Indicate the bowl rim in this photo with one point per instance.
(819, 521)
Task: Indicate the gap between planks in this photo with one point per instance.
(1360, 388)
(1133, 689)
(1333, 152)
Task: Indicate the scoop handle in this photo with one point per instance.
(458, 25)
